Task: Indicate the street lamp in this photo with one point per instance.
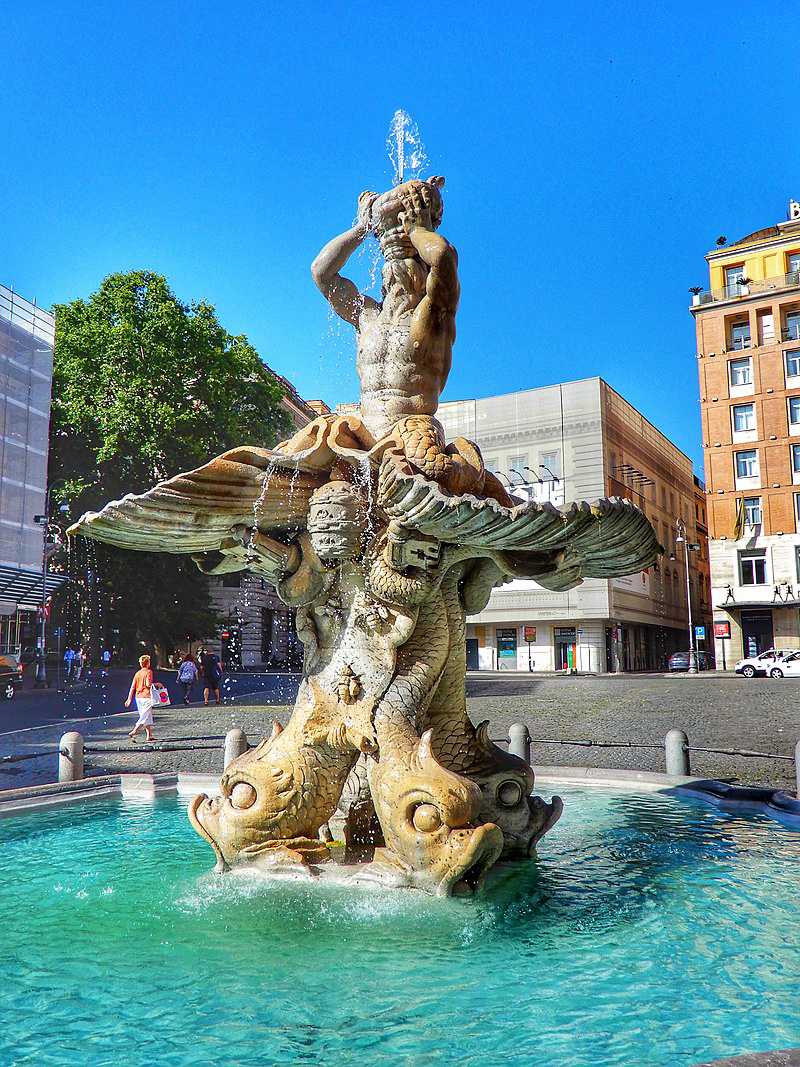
(552, 476)
(688, 547)
(41, 681)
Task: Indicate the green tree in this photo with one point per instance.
(145, 386)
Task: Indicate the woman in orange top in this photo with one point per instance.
(140, 690)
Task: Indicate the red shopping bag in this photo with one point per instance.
(159, 695)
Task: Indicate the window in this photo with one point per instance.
(752, 510)
(793, 263)
(747, 463)
(792, 332)
(741, 372)
(733, 279)
(793, 363)
(797, 509)
(740, 335)
(491, 463)
(796, 459)
(232, 580)
(744, 417)
(552, 460)
(794, 410)
(766, 327)
(518, 463)
(752, 568)
(797, 559)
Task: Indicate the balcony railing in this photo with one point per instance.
(738, 291)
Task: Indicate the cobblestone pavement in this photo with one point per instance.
(715, 712)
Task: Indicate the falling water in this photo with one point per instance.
(365, 477)
(406, 150)
(243, 608)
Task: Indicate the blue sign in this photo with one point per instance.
(700, 632)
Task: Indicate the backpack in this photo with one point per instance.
(186, 672)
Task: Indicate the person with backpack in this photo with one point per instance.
(187, 676)
(212, 675)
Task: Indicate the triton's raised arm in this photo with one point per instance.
(342, 294)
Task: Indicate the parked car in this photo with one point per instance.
(787, 667)
(762, 664)
(10, 679)
(679, 661)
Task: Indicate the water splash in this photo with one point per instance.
(406, 151)
(365, 478)
(242, 609)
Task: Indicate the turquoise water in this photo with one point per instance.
(650, 931)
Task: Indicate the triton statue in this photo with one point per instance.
(383, 537)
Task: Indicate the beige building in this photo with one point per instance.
(259, 630)
(581, 441)
(748, 352)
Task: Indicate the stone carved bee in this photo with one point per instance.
(348, 687)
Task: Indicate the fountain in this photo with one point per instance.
(383, 536)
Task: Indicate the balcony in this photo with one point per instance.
(739, 291)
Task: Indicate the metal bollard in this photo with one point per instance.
(797, 767)
(235, 745)
(70, 757)
(519, 741)
(676, 753)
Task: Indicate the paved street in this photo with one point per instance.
(716, 712)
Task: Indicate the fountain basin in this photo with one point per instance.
(651, 930)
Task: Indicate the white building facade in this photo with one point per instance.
(570, 442)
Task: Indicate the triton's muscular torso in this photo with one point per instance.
(402, 366)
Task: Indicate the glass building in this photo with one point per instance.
(26, 366)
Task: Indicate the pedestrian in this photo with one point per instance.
(187, 675)
(141, 691)
(69, 659)
(80, 662)
(212, 675)
(105, 661)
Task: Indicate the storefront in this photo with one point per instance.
(507, 649)
(566, 648)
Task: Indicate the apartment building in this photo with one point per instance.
(748, 352)
(581, 441)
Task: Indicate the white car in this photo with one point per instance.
(765, 663)
(788, 667)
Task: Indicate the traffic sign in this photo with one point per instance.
(722, 630)
(530, 634)
(700, 632)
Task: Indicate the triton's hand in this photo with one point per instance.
(365, 202)
(416, 210)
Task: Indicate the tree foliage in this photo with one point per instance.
(145, 386)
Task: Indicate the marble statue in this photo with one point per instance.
(384, 537)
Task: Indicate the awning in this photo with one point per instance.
(760, 605)
(23, 589)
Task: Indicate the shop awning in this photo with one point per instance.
(760, 605)
(22, 589)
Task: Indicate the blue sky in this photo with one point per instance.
(592, 157)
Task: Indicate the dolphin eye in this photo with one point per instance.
(243, 795)
(426, 818)
(509, 794)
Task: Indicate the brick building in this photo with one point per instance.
(748, 351)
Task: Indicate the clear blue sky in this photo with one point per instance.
(592, 157)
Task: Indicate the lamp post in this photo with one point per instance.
(680, 526)
(41, 681)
